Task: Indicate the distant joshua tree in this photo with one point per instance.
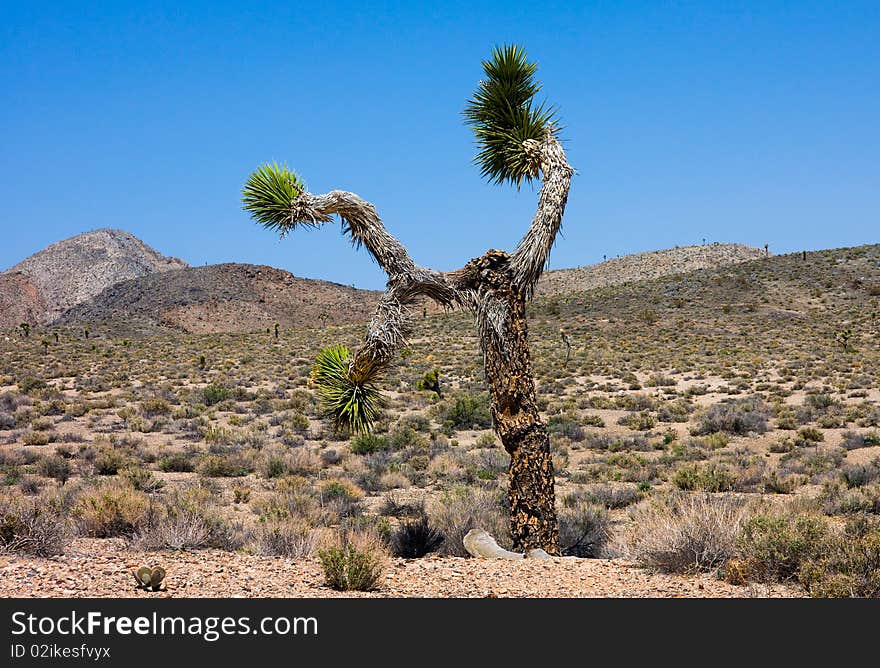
(518, 141)
(567, 341)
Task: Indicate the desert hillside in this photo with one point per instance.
(643, 266)
(224, 298)
(43, 286)
(714, 433)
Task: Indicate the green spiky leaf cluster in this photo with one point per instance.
(349, 402)
(503, 115)
(268, 194)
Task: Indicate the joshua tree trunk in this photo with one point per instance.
(515, 410)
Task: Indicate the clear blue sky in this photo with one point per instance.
(752, 122)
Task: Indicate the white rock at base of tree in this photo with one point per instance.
(479, 543)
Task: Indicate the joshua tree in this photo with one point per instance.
(567, 341)
(518, 141)
(431, 381)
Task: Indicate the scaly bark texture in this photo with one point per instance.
(508, 368)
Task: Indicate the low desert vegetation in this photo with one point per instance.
(760, 464)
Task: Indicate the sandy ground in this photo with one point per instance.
(101, 568)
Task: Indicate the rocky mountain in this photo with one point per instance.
(645, 266)
(42, 287)
(224, 298)
(111, 277)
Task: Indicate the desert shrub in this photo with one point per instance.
(293, 538)
(810, 435)
(853, 440)
(819, 401)
(583, 530)
(233, 465)
(109, 461)
(813, 461)
(183, 529)
(593, 421)
(274, 466)
(848, 564)
(635, 402)
(773, 545)
(29, 486)
(155, 406)
(607, 496)
(638, 421)
(404, 436)
(659, 380)
(341, 488)
(688, 533)
(566, 425)
(55, 467)
(7, 422)
(31, 526)
(715, 441)
(178, 462)
(187, 520)
(29, 385)
(356, 562)
(467, 411)
(142, 479)
(464, 508)
(704, 478)
(394, 506)
(37, 437)
(214, 394)
(616, 443)
(113, 508)
(674, 411)
(367, 443)
(838, 499)
(859, 475)
(415, 538)
(740, 416)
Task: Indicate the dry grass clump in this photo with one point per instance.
(464, 508)
(187, 519)
(295, 538)
(112, 508)
(738, 416)
(584, 530)
(31, 526)
(688, 533)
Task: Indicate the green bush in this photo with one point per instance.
(224, 466)
(368, 442)
(774, 546)
(467, 411)
(214, 394)
(708, 478)
(177, 462)
(356, 563)
(848, 564)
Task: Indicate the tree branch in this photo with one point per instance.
(390, 324)
(360, 222)
(533, 252)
